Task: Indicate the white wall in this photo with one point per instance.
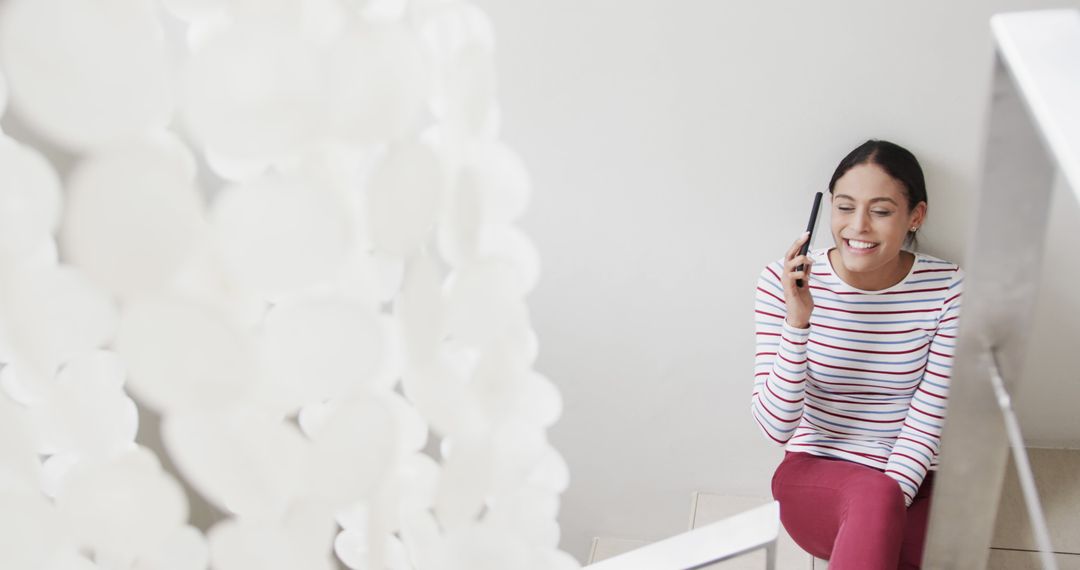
(675, 147)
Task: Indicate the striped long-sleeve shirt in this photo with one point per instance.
(868, 380)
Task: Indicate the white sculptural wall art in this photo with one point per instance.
(286, 227)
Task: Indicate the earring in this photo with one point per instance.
(914, 229)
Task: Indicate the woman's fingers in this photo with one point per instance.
(792, 271)
(796, 261)
(794, 250)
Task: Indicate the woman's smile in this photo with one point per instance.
(860, 247)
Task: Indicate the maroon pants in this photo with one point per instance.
(850, 514)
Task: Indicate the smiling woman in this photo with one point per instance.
(852, 370)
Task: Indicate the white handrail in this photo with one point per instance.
(734, 536)
(1023, 468)
(1042, 51)
(1032, 144)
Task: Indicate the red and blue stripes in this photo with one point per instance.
(868, 380)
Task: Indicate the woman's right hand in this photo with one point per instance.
(797, 299)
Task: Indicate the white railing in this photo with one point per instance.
(1032, 143)
(735, 536)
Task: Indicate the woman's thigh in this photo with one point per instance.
(818, 496)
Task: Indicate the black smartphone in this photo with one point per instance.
(809, 228)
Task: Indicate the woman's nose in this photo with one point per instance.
(862, 221)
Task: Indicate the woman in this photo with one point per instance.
(852, 369)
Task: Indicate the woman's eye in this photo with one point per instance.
(845, 208)
(880, 212)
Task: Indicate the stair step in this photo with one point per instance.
(606, 547)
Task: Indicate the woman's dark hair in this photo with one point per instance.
(895, 160)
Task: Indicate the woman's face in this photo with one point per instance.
(870, 219)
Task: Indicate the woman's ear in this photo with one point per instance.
(918, 215)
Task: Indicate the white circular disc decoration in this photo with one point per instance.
(460, 226)
(3, 93)
(484, 299)
(70, 560)
(201, 279)
(303, 538)
(24, 388)
(29, 200)
(447, 27)
(519, 448)
(245, 462)
(132, 217)
(419, 311)
(378, 83)
(277, 236)
(498, 175)
(255, 92)
(392, 360)
(235, 169)
(551, 473)
(441, 397)
(116, 506)
(410, 489)
(81, 419)
(518, 343)
(31, 530)
(316, 349)
(272, 212)
(102, 368)
(404, 194)
(21, 470)
(195, 10)
(43, 255)
(468, 103)
(467, 479)
(419, 477)
(95, 75)
(420, 534)
(353, 550)
(53, 471)
(411, 428)
(381, 10)
(183, 355)
(52, 314)
(354, 447)
(530, 512)
(351, 547)
(540, 400)
(487, 547)
(238, 544)
(511, 244)
(184, 549)
(86, 411)
(506, 391)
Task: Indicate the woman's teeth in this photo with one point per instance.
(856, 244)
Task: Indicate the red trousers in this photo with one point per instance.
(850, 514)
